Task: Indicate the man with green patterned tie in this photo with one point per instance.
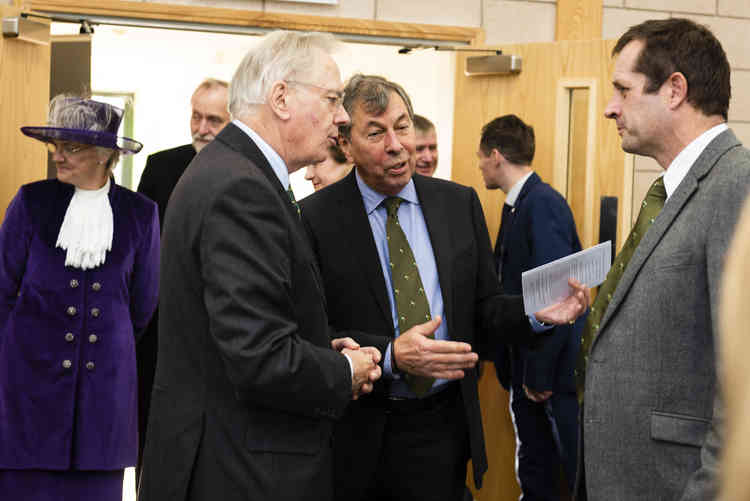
(397, 250)
(651, 420)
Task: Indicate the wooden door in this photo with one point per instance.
(24, 95)
(561, 91)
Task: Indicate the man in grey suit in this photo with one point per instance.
(652, 411)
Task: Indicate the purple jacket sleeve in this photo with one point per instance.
(144, 291)
(15, 238)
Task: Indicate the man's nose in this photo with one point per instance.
(309, 173)
(392, 143)
(612, 110)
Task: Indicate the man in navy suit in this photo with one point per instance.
(537, 227)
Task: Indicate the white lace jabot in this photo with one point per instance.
(86, 231)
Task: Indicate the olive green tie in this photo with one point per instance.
(650, 208)
(408, 292)
(294, 201)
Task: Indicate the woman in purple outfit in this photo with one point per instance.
(79, 260)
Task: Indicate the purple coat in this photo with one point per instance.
(67, 336)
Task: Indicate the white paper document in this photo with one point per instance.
(548, 284)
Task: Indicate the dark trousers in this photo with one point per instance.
(424, 453)
(546, 438)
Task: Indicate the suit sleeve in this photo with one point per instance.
(144, 293)
(246, 254)
(551, 228)
(703, 483)
(146, 184)
(500, 318)
(15, 238)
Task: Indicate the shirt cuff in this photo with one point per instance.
(351, 367)
(537, 326)
(387, 366)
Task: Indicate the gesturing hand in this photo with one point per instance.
(570, 308)
(416, 353)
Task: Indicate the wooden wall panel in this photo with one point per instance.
(532, 95)
(24, 95)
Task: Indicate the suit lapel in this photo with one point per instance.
(437, 216)
(666, 217)
(355, 224)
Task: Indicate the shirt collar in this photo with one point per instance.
(512, 195)
(373, 199)
(681, 164)
(277, 163)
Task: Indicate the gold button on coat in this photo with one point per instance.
(66, 364)
(95, 312)
(96, 286)
(73, 283)
(69, 337)
(90, 366)
(93, 338)
(71, 310)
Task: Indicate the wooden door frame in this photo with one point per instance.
(154, 11)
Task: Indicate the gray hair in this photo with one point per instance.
(280, 55)
(69, 111)
(211, 83)
(374, 92)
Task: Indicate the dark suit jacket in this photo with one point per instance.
(246, 385)
(163, 170)
(541, 230)
(357, 298)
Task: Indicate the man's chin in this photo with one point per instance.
(199, 145)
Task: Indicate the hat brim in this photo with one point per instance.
(96, 138)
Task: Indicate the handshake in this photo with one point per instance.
(414, 352)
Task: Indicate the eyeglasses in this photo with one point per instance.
(67, 148)
(335, 97)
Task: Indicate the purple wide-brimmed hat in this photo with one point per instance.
(84, 121)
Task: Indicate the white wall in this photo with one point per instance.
(163, 67)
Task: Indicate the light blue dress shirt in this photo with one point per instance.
(412, 221)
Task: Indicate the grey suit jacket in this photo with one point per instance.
(652, 412)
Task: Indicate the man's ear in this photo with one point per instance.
(278, 100)
(497, 157)
(677, 89)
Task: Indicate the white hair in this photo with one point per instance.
(280, 55)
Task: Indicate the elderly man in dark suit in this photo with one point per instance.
(247, 385)
(395, 249)
(652, 413)
(163, 169)
(537, 227)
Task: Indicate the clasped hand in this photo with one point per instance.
(364, 364)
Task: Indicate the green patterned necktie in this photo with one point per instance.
(411, 301)
(294, 201)
(650, 208)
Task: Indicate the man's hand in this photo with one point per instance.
(417, 354)
(570, 308)
(536, 396)
(340, 343)
(366, 369)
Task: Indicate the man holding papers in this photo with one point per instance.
(537, 227)
(652, 416)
